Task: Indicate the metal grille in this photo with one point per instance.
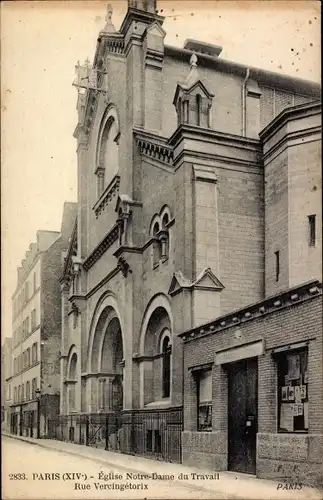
(156, 434)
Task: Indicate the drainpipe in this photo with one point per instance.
(244, 114)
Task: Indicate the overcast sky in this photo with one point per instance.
(41, 43)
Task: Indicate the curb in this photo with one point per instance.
(123, 467)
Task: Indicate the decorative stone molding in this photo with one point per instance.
(101, 248)
(206, 280)
(115, 44)
(107, 196)
(124, 266)
(156, 151)
(282, 300)
(204, 174)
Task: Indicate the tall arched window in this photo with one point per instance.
(108, 150)
(72, 382)
(198, 109)
(167, 352)
(156, 246)
(165, 238)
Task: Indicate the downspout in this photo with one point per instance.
(244, 107)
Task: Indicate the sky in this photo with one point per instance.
(40, 44)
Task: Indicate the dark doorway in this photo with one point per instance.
(242, 415)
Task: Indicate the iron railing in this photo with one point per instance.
(156, 433)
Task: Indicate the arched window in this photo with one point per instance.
(166, 351)
(156, 245)
(198, 109)
(164, 238)
(108, 150)
(72, 382)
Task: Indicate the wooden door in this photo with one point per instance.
(242, 415)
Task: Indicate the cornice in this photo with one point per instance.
(70, 252)
(114, 44)
(101, 248)
(291, 139)
(154, 147)
(136, 15)
(201, 134)
(290, 114)
(107, 196)
(229, 162)
(263, 77)
(280, 301)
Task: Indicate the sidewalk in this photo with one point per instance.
(229, 484)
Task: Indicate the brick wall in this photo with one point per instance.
(50, 319)
(305, 195)
(289, 325)
(276, 223)
(241, 237)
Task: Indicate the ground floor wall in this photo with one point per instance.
(278, 433)
(33, 418)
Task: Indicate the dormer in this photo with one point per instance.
(192, 100)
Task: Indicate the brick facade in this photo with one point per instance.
(283, 321)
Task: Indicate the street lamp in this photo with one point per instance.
(38, 412)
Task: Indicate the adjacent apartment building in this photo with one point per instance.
(36, 326)
(6, 389)
(198, 195)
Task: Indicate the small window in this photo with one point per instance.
(277, 265)
(204, 401)
(293, 391)
(34, 282)
(312, 230)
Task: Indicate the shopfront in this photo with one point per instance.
(262, 412)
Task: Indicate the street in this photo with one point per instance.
(31, 472)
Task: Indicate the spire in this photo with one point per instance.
(193, 74)
(109, 27)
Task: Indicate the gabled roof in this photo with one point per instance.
(187, 89)
(206, 280)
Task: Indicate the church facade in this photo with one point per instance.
(171, 231)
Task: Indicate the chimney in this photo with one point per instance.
(202, 48)
(146, 5)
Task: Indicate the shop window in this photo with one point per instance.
(293, 391)
(204, 400)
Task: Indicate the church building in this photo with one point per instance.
(198, 195)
